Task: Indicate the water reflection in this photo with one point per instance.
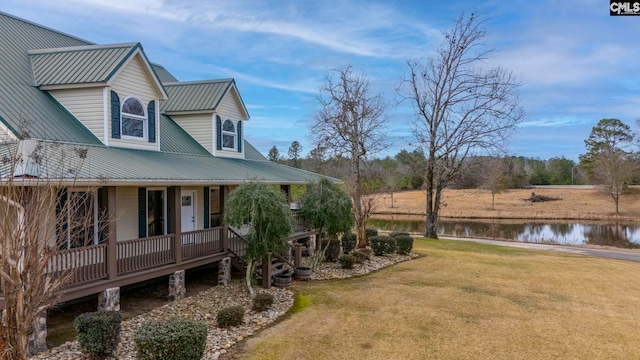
(569, 233)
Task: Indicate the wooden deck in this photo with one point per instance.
(146, 258)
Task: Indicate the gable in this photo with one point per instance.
(231, 106)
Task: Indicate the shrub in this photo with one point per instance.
(362, 254)
(368, 234)
(230, 316)
(404, 244)
(332, 250)
(262, 302)
(98, 333)
(349, 242)
(347, 261)
(382, 245)
(395, 234)
(173, 339)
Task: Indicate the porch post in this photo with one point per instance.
(266, 271)
(112, 261)
(175, 202)
(224, 194)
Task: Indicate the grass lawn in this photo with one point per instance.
(464, 300)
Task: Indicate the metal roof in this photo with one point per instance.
(195, 95)
(24, 109)
(79, 64)
(118, 166)
(163, 74)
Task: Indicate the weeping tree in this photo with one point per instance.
(326, 208)
(265, 211)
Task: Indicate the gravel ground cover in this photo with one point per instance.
(204, 306)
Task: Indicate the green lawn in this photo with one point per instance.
(463, 300)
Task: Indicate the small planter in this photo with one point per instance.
(302, 273)
(282, 281)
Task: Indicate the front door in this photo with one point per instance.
(188, 214)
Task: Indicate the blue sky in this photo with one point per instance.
(577, 64)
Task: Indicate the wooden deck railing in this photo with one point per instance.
(145, 253)
(237, 244)
(201, 242)
(90, 263)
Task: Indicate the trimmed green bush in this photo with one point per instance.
(349, 242)
(369, 233)
(361, 255)
(395, 234)
(347, 261)
(382, 245)
(404, 244)
(262, 302)
(230, 316)
(333, 250)
(174, 339)
(98, 333)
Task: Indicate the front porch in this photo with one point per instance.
(110, 265)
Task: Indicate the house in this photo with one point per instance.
(159, 154)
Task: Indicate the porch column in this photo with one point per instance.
(266, 271)
(224, 194)
(174, 204)
(112, 261)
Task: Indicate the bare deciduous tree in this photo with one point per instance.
(460, 106)
(493, 176)
(350, 125)
(614, 169)
(36, 223)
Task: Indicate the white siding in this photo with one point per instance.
(6, 134)
(231, 107)
(127, 213)
(86, 104)
(199, 126)
(133, 80)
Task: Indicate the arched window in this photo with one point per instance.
(134, 118)
(228, 135)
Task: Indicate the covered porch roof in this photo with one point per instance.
(102, 165)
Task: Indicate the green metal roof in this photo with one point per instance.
(79, 64)
(162, 73)
(251, 153)
(118, 166)
(195, 95)
(24, 109)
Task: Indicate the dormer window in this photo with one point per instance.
(134, 119)
(228, 135)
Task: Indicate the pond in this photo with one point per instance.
(620, 235)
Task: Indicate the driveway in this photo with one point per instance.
(629, 255)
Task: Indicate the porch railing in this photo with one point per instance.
(201, 242)
(90, 263)
(145, 253)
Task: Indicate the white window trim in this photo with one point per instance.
(233, 133)
(164, 209)
(96, 220)
(145, 121)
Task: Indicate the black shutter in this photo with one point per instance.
(142, 212)
(115, 115)
(61, 219)
(151, 114)
(218, 133)
(239, 136)
(207, 194)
